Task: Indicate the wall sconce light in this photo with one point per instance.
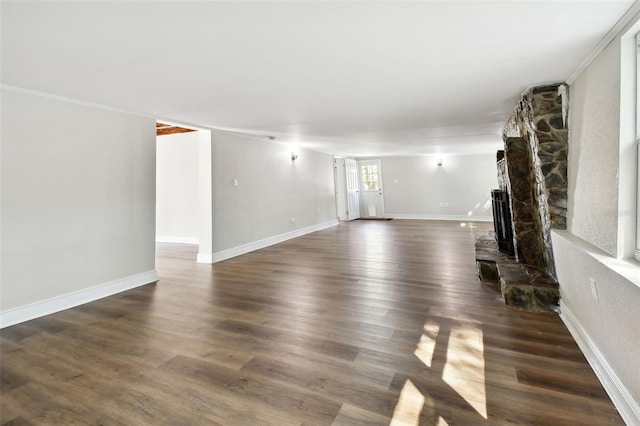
(439, 162)
(294, 156)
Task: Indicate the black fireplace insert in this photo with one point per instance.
(502, 221)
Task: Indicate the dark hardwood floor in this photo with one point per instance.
(366, 323)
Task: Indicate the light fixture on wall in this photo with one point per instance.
(439, 162)
(294, 156)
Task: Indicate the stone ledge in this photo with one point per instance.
(522, 286)
(487, 249)
(528, 288)
(487, 256)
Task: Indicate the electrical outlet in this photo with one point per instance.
(235, 182)
(446, 205)
(441, 205)
(293, 220)
(594, 289)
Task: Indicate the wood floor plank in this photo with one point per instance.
(354, 416)
(366, 397)
(152, 396)
(365, 323)
(569, 382)
(281, 396)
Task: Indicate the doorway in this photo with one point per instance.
(184, 206)
(353, 189)
(347, 189)
(371, 190)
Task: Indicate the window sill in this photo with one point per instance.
(628, 268)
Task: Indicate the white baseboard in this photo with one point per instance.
(256, 245)
(462, 218)
(204, 258)
(619, 394)
(70, 300)
(177, 240)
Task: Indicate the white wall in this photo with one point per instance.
(78, 204)
(594, 129)
(205, 196)
(177, 188)
(415, 187)
(600, 197)
(271, 190)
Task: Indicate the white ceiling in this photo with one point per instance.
(350, 78)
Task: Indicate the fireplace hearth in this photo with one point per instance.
(530, 201)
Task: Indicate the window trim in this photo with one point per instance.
(636, 252)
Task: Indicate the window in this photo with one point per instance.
(370, 178)
(637, 248)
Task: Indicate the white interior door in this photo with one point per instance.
(371, 194)
(353, 189)
(340, 177)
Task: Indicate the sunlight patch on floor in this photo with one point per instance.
(409, 406)
(427, 343)
(464, 369)
(442, 422)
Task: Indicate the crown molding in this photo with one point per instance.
(627, 18)
(89, 104)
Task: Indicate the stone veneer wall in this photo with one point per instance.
(526, 223)
(539, 122)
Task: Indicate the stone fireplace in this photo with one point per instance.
(532, 176)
